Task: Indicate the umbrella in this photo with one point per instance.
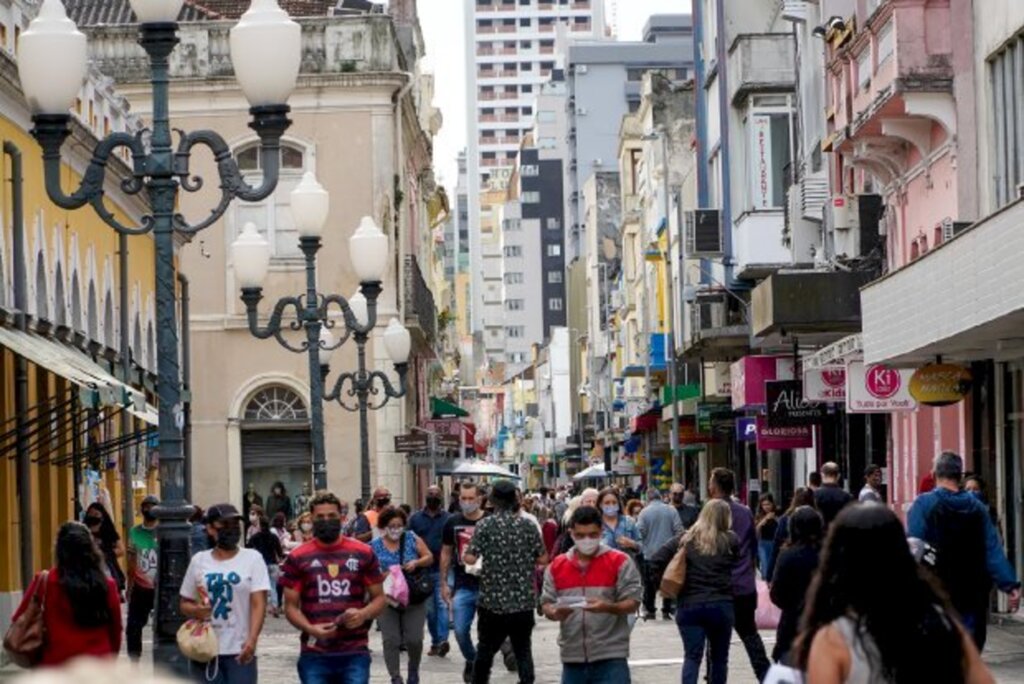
(594, 471)
(482, 468)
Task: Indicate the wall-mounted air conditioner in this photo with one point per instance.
(704, 233)
(951, 228)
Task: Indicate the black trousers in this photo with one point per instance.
(746, 626)
(140, 605)
(651, 582)
(492, 629)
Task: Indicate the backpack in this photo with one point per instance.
(960, 555)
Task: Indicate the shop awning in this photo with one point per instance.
(439, 408)
(72, 364)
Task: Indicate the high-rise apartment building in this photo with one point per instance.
(510, 54)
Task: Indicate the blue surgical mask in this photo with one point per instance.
(610, 510)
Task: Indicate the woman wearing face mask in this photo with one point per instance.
(401, 626)
(278, 502)
(236, 609)
(617, 531)
(255, 514)
(105, 533)
(268, 544)
(303, 530)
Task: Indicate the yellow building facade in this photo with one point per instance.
(80, 398)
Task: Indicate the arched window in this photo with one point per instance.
(276, 404)
(272, 216)
(93, 323)
(60, 313)
(76, 302)
(108, 323)
(42, 296)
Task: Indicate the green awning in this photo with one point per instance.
(439, 408)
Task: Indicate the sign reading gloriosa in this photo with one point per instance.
(782, 438)
(787, 407)
(940, 384)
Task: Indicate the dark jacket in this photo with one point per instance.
(781, 537)
(793, 573)
(830, 499)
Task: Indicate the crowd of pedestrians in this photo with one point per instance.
(861, 598)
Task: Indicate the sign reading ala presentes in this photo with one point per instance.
(826, 385)
(878, 388)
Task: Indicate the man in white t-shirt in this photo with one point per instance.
(228, 586)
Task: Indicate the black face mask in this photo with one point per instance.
(433, 502)
(148, 514)
(677, 499)
(327, 531)
(93, 521)
(381, 503)
(228, 538)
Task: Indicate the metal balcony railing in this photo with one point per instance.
(420, 310)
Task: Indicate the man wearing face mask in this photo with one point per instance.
(592, 590)
(333, 590)
(428, 524)
(688, 513)
(457, 532)
(142, 562)
(228, 585)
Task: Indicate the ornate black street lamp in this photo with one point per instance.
(52, 65)
(368, 251)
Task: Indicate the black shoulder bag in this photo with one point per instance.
(421, 584)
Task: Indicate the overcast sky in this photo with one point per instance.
(444, 32)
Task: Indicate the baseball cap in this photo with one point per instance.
(224, 511)
(150, 500)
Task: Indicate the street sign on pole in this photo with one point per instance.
(411, 443)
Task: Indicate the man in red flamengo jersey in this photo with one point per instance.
(333, 590)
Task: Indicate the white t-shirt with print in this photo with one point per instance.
(228, 584)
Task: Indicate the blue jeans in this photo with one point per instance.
(614, 671)
(228, 670)
(764, 554)
(711, 622)
(437, 613)
(350, 668)
(464, 609)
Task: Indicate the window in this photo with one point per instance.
(273, 216)
(515, 331)
(527, 89)
(769, 156)
(531, 197)
(517, 357)
(554, 223)
(555, 304)
(526, 44)
(885, 42)
(276, 405)
(513, 278)
(554, 277)
(554, 250)
(864, 68)
(527, 170)
(1006, 74)
(525, 23)
(514, 305)
(513, 225)
(513, 251)
(527, 111)
(526, 66)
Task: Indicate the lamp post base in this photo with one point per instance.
(174, 553)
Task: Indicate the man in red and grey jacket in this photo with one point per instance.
(592, 590)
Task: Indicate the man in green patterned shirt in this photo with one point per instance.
(511, 549)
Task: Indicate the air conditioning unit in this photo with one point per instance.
(844, 215)
(581, 111)
(794, 10)
(704, 233)
(951, 228)
(598, 162)
(581, 68)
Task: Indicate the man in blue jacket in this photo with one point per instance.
(969, 556)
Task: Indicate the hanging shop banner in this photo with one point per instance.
(709, 414)
(761, 181)
(826, 385)
(878, 388)
(940, 384)
(746, 429)
(787, 406)
(749, 374)
(781, 438)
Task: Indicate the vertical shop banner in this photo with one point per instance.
(761, 154)
(782, 438)
(786, 405)
(826, 385)
(750, 374)
(878, 388)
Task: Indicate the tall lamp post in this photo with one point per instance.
(52, 66)
(368, 251)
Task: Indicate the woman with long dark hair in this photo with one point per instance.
(873, 616)
(803, 496)
(766, 524)
(793, 574)
(82, 609)
(102, 527)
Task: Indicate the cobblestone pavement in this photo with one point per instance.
(656, 656)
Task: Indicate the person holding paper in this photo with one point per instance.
(592, 590)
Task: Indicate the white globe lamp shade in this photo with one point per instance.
(368, 250)
(266, 49)
(310, 205)
(156, 11)
(357, 303)
(397, 341)
(52, 60)
(250, 253)
(326, 342)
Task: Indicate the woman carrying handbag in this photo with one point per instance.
(48, 628)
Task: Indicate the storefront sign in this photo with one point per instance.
(826, 385)
(761, 181)
(787, 406)
(780, 438)
(878, 389)
(449, 442)
(690, 432)
(746, 429)
(749, 375)
(409, 443)
(940, 384)
(709, 414)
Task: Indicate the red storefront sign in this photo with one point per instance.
(780, 438)
(749, 375)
